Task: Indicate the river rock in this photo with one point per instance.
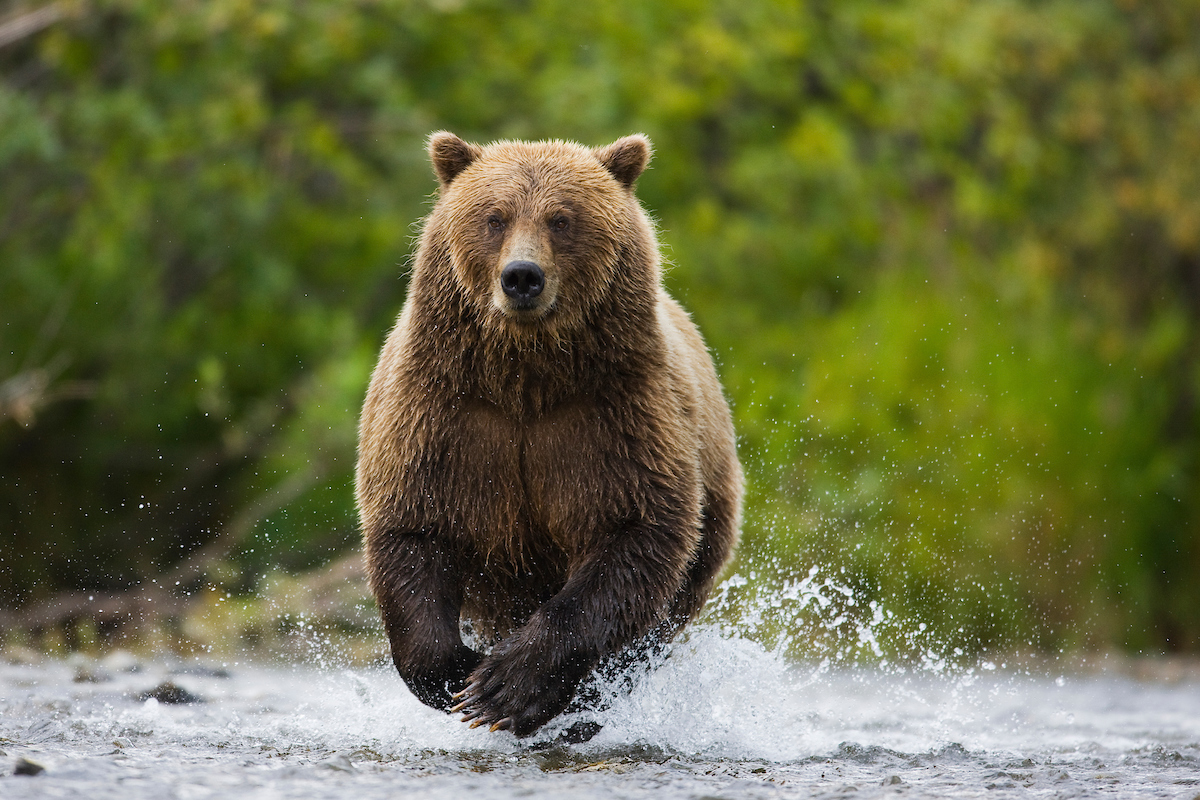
(171, 693)
(26, 767)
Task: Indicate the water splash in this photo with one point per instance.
(752, 678)
(821, 619)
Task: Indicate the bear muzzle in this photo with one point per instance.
(525, 292)
(522, 281)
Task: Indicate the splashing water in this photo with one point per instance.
(729, 713)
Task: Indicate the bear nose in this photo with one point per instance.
(522, 280)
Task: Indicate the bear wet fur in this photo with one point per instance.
(545, 449)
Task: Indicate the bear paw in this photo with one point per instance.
(434, 685)
(518, 692)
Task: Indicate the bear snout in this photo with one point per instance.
(522, 281)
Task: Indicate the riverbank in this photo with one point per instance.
(327, 617)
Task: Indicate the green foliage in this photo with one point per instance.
(947, 254)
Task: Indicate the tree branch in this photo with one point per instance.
(242, 525)
(23, 25)
(156, 598)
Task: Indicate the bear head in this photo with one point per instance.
(539, 236)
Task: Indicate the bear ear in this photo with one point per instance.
(625, 158)
(451, 155)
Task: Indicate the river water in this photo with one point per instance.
(721, 718)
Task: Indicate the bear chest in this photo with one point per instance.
(557, 477)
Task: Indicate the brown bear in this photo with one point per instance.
(545, 453)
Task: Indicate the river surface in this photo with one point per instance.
(722, 718)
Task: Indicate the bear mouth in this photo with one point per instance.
(525, 307)
(527, 312)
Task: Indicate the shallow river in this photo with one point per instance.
(723, 718)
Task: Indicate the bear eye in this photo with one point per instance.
(495, 223)
(560, 223)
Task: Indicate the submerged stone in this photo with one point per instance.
(171, 693)
(26, 767)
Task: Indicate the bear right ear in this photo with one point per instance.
(625, 158)
(450, 155)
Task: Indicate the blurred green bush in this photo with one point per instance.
(947, 254)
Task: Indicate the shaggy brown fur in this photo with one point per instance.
(558, 469)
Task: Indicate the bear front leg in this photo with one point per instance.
(610, 599)
(417, 591)
(719, 534)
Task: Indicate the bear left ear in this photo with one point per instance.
(450, 155)
(626, 158)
